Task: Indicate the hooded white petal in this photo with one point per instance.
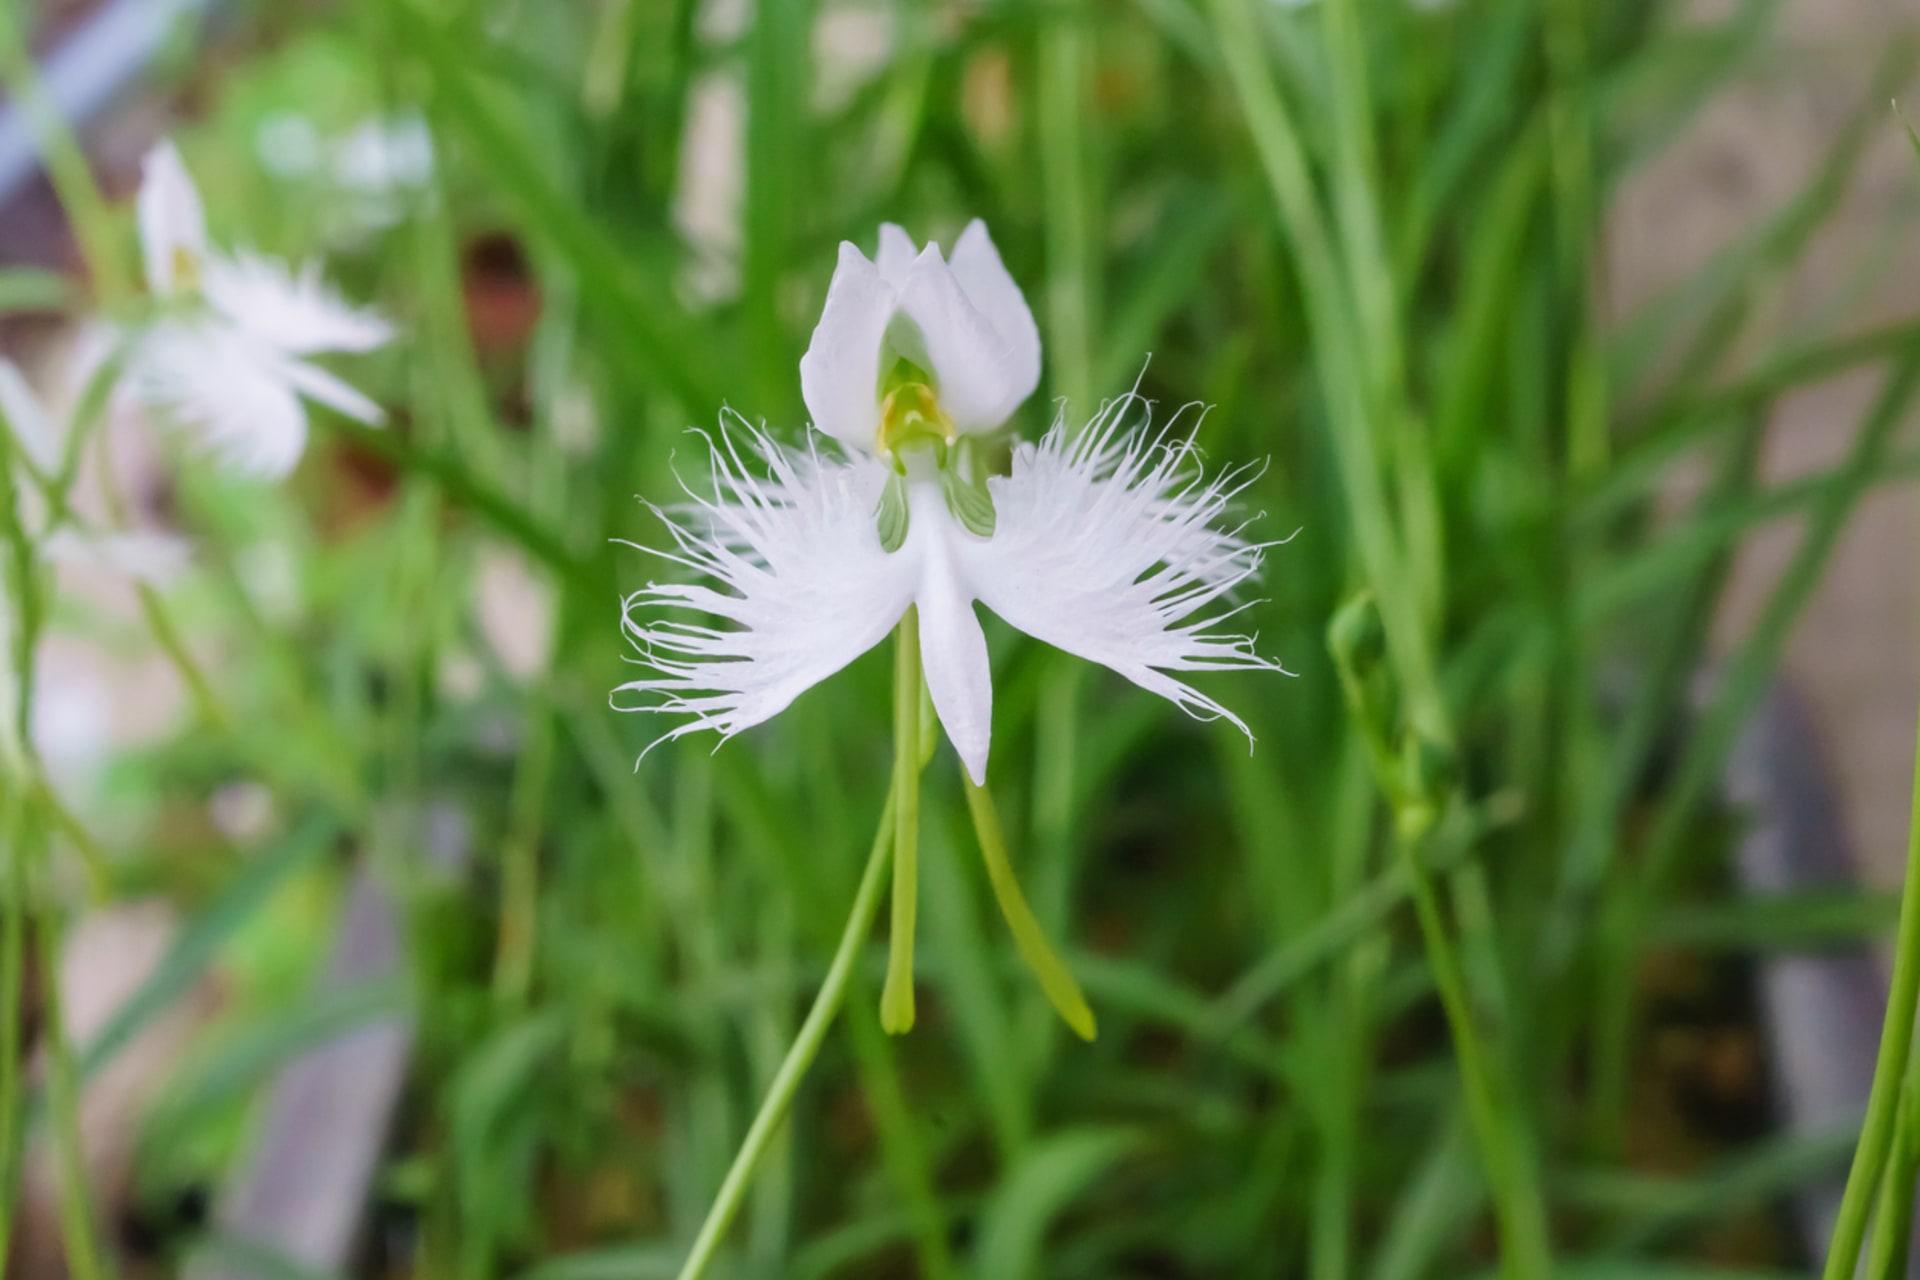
(953, 649)
(173, 226)
(897, 252)
(28, 420)
(232, 392)
(981, 377)
(805, 587)
(1110, 547)
(976, 265)
(840, 374)
(292, 310)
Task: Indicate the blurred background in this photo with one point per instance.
(1581, 338)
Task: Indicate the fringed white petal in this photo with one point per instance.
(315, 383)
(840, 373)
(207, 378)
(1112, 546)
(293, 310)
(800, 587)
(173, 225)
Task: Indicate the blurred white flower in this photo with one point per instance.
(228, 361)
(287, 144)
(1106, 544)
(385, 156)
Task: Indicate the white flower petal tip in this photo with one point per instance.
(964, 322)
(173, 224)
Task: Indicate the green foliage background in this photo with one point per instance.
(1367, 236)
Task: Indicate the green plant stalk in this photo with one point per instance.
(1056, 980)
(901, 1149)
(520, 860)
(806, 1046)
(1526, 1252)
(66, 163)
(77, 1225)
(1896, 1045)
(13, 932)
(1892, 1238)
(896, 997)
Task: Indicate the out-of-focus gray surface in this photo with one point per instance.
(1822, 1011)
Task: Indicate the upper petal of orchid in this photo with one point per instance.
(1110, 547)
(840, 374)
(805, 586)
(953, 649)
(292, 310)
(976, 265)
(981, 377)
(229, 390)
(173, 225)
(897, 251)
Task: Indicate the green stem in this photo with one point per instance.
(896, 997)
(1055, 978)
(806, 1045)
(1525, 1251)
(13, 932)
(1892, 1237)
(173, 644)
(77, 1224)
(66, 163)
(1896, 1043)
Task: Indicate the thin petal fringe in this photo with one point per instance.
(793, 567)
(1113, 545)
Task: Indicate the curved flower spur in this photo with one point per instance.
(1108, 543)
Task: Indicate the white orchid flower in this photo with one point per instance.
(1108, 543)
(228, 361)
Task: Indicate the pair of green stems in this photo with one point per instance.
(896, 843)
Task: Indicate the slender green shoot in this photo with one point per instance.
(800, 1056)
(896, 997)
(1055, 978)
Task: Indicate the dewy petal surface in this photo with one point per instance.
(979, 375)
(976, 265)
(173, 224)
(804, 586)
(840, 373)
(293, 310)
(1109, 545)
